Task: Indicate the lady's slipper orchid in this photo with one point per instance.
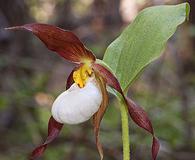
(86, 95)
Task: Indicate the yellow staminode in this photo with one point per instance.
(81, 75)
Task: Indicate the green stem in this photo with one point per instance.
(125, 132)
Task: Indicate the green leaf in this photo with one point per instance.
(144, 40)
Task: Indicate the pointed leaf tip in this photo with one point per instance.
(187, 11)
(63, 42)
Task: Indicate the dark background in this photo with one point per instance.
(31, 77)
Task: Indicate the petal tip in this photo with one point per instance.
(23, 27)
(13, 28)
(155, 148)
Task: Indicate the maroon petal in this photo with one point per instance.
(110, 79)
(54, 129)
(70, 80)
(138, 115)
(65, 43)
(155, 147)
(100, 113)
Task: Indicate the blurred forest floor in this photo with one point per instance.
(31, 77)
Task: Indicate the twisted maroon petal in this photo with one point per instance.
(138, 115)
(97, 117)
(65, 43)
(54, 129)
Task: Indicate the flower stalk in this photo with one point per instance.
(125, 131)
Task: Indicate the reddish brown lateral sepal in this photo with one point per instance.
(65, 43)
(54, 129)
(138, 115)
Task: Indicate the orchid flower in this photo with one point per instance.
(86, 95)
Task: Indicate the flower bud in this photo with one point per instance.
(77, 105)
